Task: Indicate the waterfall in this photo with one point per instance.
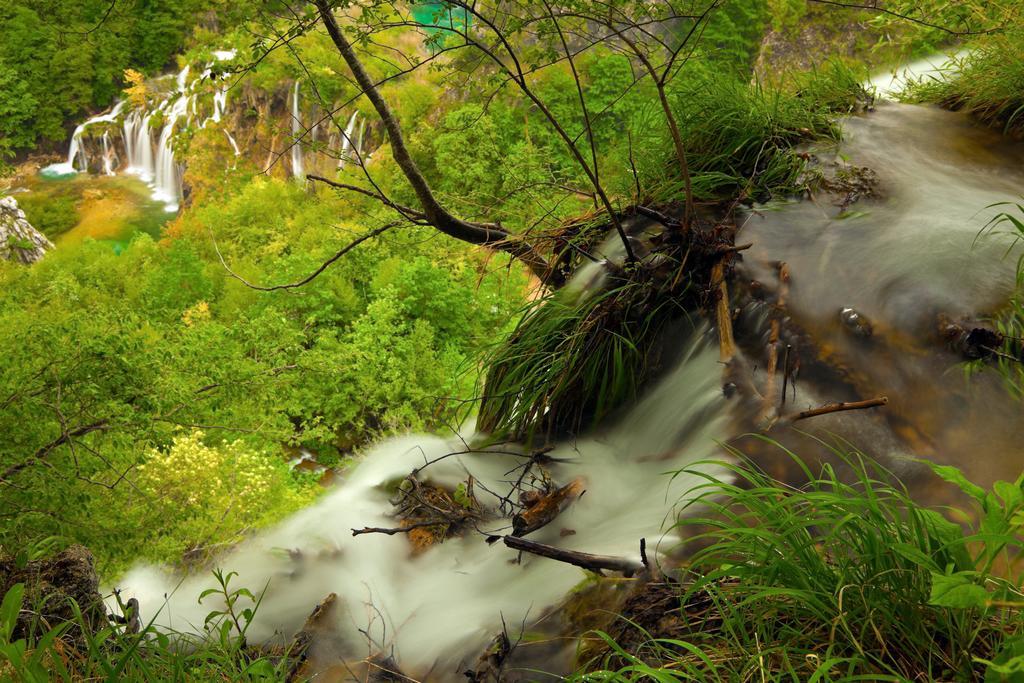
(139, 145)
(442, 606)
(347, 142)
(297, 170)
(220, 103)
(108, 165)
(76, 149)
(234, 145)
(167, 177)
(149, 155)
(183, 78)
(159, 170)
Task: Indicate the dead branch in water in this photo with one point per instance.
(837, 408)
(723, 317)
(398, 530)
(594, 563)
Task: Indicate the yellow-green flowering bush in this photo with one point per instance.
(195, 494)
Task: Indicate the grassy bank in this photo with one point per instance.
(987, 82)
(842, 579)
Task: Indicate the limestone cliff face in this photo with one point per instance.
(19, 241)
(820, 31)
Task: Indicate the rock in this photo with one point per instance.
(856, 323)
(19, 241)
(971, 340)
(319, 644)
(50, 585)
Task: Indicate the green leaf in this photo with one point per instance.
(1011, 494)
(9, 610)
(958, 591)
(1008, 664)
(955, 476)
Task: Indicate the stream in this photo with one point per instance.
(899, 260)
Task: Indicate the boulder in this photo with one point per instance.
(19, 241)
(50, 585)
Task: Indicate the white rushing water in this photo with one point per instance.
(889, 84)
(108, 162)
(439, 609)
(77, 159)
(297, 166)
(913, 251)
(348, 142)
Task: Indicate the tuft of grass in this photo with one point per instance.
(739, 138)
(842, 579)
(572, 360)
(987, 83)
(835, 86)
(1009, 322)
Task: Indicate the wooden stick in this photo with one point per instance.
(773, 344)
(589, 561)
(839, 407)
(723, 317)
(785, 375)
(734, 249)
(396, 530)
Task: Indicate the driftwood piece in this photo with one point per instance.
(973, 342)
(489, 665)
(318, 624)
(129, 616)
(542, 509)
(594, 563)
(723, 317)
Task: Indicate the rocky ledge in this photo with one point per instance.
(19, 241)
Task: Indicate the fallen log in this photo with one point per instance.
(594, 563)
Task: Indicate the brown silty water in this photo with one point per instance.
(902, 260)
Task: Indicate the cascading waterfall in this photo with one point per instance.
(151, 157)
(139, 145)
(439, 609)
(347, 142)
(76, 150)
(297, 167)
(231, 141)
(108, 164)
(220, 103)
(149, 151)
(167, 174)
